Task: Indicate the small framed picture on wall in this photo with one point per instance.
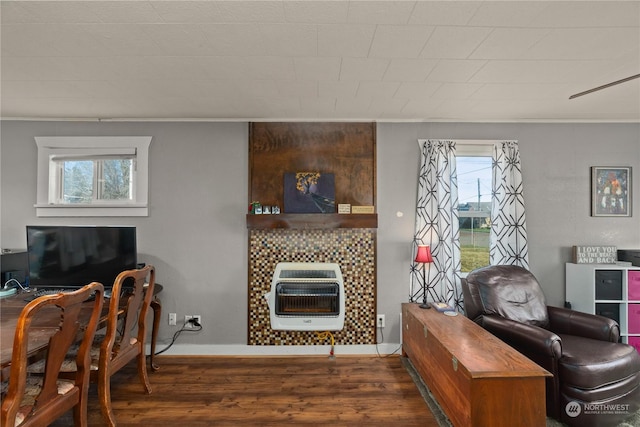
(610, 191)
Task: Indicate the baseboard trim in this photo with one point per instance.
(276, 350)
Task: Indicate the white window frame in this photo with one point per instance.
(474, 148)
(48, 181)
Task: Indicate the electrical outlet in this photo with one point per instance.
(380, 320)
(173, 319)
(189, 325)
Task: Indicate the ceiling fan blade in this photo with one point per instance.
(617, 82)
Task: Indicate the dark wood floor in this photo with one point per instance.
(267, 391)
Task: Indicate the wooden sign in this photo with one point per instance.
(362, 209)
(595, 254)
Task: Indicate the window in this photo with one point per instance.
(92, 176)
(473, 166)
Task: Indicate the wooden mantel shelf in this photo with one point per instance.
(312, 221)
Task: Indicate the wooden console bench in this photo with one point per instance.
(477, 379)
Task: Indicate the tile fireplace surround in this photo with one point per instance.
(352, 248)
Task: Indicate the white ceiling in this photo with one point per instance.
(320, 60)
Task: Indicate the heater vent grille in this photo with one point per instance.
(307, 274)
(307, 299)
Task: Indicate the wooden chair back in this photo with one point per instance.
(126, 332)
(53, 397)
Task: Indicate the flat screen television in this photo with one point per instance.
(73, 256)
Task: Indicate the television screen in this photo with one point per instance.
(71, 256)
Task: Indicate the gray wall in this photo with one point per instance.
(196, 233)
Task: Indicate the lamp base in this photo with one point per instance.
(425, 305)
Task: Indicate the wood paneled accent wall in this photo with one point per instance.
(348, 150)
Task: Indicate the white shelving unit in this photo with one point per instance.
(609, 290)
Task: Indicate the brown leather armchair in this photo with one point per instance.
(596, 379)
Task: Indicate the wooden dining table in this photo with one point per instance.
(46, 324)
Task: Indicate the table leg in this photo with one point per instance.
(157, 312)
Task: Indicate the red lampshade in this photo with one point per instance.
(424, 254)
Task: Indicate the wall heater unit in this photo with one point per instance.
(306, 296)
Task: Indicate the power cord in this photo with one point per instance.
(192, 321)
(6, 284)
(382, 341)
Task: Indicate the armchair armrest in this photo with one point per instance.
(532, 341)
(572, 322)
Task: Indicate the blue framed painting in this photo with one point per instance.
(309, 192)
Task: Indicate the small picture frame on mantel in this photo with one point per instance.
(611, 191)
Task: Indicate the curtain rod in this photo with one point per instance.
(470, 141)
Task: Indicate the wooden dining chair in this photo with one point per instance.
(126, 333)
(38, 401)
(122, 339)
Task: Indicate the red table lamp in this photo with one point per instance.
(423, 256)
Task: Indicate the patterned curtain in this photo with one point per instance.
(508, 238)
(437, 225)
